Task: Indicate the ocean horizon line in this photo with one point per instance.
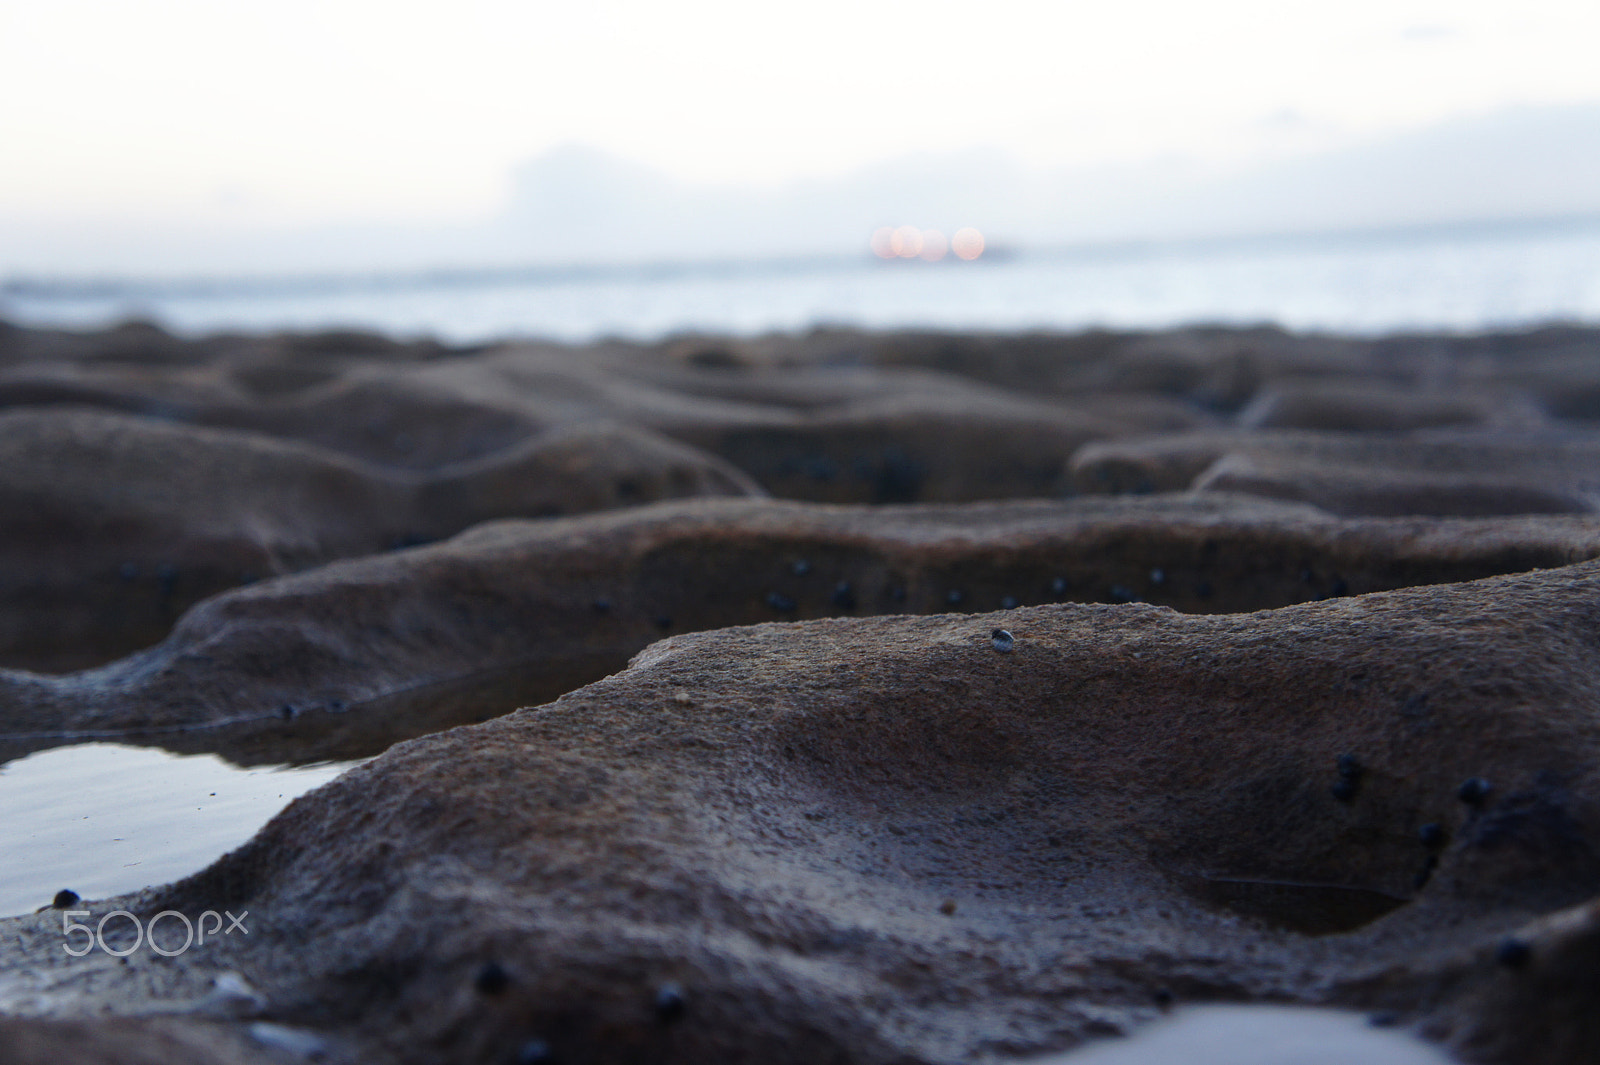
(232, 285)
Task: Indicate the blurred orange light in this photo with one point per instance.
(907, 242)
(934, 245)
(883, 242)
(967, 243)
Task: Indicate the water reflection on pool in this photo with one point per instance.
(1258, 1035)
(104, 818)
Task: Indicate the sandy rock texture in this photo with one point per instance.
(1437, 472)
(110, 525)
(895, 839)
(342, 660)
(837, 433)
(909, 698)
(144, 472)
(141, 472)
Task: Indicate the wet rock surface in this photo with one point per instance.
(1280, 691)
(111, 525)
(881, 840)
(342, 660)
(1434, 472)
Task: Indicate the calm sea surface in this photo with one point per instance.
(1462, 279)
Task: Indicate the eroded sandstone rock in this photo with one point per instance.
(867, 434)
(1367, 406)
(112, 525)
(873, 838)
(1439, 472)
(340, 661)
(884, 839)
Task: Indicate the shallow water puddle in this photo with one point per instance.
(1258, 1035)
(104, 818)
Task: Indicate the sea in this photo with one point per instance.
(1461, 279)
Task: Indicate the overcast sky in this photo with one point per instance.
(247, 113)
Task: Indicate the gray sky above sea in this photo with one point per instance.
(178, 137)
